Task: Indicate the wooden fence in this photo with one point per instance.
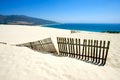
(44, 45)
(92, 51)
(3, 43)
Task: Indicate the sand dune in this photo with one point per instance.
(21, 63)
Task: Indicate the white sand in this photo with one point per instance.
(20, 63)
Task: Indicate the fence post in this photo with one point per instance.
(107, 48)
(99, 52)
(79, 49)
(103, 52)
(85, 55)
(88, 50)
(96, 53)
(76, 44)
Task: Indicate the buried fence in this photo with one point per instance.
(3, 43)
(44, 45)
(92, 51)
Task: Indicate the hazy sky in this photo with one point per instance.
(76, 11)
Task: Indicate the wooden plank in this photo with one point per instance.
(69, 46)
(34, 46)
(66, 54)
(103, 52)
(41, 44)
(91, 51)
(96, 53)
(73, 47)
(76, 42)
(72, 43)
(58, 41)
(99, 57)
(47, 45)
(37, 46)
(88, 50)
(31, 45)
(83, 49)
(60, 46)
(6, 43)
(79, 56)
(63, 47)
(105, 58)
(85, 52)
(44, 45)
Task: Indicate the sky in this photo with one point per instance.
(65, 11)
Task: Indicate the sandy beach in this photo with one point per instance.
(22, 63)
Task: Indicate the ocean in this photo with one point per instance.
(88, 27)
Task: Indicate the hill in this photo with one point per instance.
(23, 20)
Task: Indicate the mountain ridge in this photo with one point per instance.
(23, 20)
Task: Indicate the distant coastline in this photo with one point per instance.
(23, 20)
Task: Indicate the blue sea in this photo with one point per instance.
(88, 27)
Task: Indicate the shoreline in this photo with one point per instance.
(109, 28)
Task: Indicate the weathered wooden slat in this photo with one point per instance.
(91, 50)
(88, 50)
(42, 48)
(85, 50)
(99, 57)
(31, 45)
(66, 54)
(58, 41)
(61, 46)
(62, 40)
(68, 46)
(103, 53)
(108, 43)
(94, 48)
(79, 56)
(76, 42)
(73, 48)
(64, 46)
(96, 53)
